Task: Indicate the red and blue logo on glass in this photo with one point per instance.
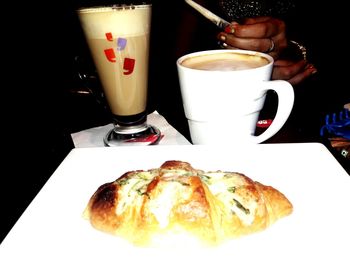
(129, 63)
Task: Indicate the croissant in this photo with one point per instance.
(177, 199)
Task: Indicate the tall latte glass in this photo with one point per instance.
(118, 38)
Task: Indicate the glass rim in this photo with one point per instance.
(115, 7)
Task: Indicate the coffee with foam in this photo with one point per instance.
(118, 38)
(223, 92)
(98, 20)
(225, 61)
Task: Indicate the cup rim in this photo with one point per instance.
(111, 8)
(214, 51)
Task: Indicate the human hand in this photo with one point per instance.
(292, 71)
(268, 35)
(264, 34)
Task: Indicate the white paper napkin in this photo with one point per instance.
(93, 137)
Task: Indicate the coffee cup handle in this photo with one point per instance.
(285, 95)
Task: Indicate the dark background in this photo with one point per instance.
(44, 101)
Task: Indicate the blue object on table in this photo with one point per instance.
(337, 125)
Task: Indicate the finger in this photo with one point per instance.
(254, 20)
(284, 62)
(268, 37)
(243, 43)
(264, 29)
(293, 72)
(288, 71)
(302, 76)
(266, 45)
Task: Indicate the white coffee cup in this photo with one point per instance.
(223, 92)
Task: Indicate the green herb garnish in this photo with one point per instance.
(240, 206)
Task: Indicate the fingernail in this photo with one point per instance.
(224, 45)
(223, 38)
(312, 68)
(309, 66)
(229, 29)
(233, 27)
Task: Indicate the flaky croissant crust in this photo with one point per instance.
(177, 198)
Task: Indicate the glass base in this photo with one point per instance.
(139, 135)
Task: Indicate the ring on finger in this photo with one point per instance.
(272, 46)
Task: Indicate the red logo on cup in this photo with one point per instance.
(109, 36)
(110, 55)
(129, 63)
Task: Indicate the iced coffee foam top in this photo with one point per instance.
(97, 21)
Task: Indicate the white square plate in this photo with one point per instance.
(52, 228)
